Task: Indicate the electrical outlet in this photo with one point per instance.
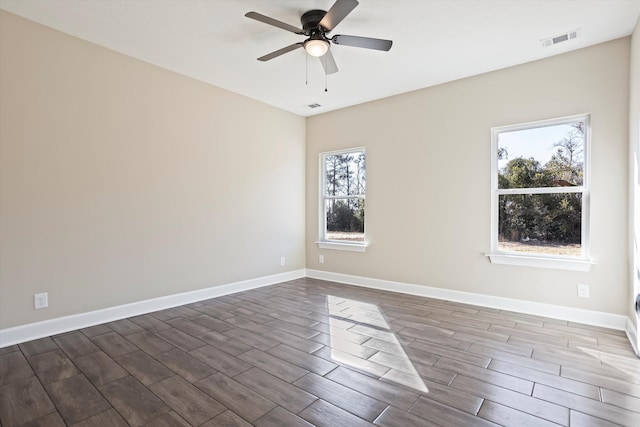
(583, 291)
(41, 300)
(321, 259)
(282, 261)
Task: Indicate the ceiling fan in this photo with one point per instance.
(316, 24)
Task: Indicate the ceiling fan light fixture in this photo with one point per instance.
(316, 47)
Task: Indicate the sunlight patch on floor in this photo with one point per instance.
(348, 317)
(626, 365)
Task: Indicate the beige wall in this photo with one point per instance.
(634, 182)
(121, 181)
(428, 178)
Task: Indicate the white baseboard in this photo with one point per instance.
(631, 335)
(596, 318)
(23, 333)
(32, 331)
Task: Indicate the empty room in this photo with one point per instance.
(319, 213)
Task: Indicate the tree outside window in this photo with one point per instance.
(540, 188)
(343, 198)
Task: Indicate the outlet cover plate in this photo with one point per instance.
(41, 300)
(583, 291)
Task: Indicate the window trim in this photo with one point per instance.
(323, 242)
(564, 262)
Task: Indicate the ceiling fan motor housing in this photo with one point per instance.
(311, 21)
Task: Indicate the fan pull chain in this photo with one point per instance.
(325, 72)
(306, 69)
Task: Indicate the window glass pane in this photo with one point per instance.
(549, 156)
(549, 224)
(344, 174)
(345, 219)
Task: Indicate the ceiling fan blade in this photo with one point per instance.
(279, 52)
(365, 42)
(328, 63)
(262, 18)
(339, 11)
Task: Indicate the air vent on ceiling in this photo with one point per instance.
(560, 38)
(314, 105)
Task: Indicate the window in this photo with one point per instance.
(342, 204)
(540, 205)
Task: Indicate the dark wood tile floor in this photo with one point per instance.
(309, 352)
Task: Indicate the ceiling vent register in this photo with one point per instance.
(561, 38)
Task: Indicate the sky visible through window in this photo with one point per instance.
(536, 143)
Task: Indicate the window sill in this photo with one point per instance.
(341, 246)
(577, 264)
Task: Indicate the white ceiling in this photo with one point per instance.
(434, 41)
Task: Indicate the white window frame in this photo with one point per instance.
(323, 242)
(581, 263)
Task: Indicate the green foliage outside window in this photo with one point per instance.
(548, 217)
(344, 190)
